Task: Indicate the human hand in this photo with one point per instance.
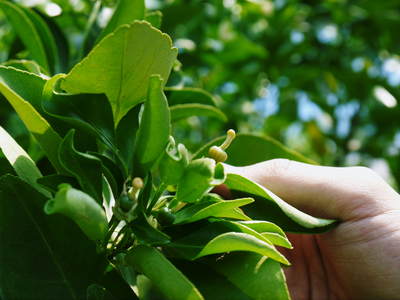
(360, 258)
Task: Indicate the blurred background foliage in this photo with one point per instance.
(320, 76)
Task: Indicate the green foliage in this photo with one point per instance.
(105, 204)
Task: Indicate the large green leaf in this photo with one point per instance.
(304, 221)
(23, 165)
(41, 257)
(206, 209)
(258, 276)
(247, 149)
(155, 126)
(126, 12)
(86, 168)
(23, 91)
(121, 64)
(182, 111)
(26, 31)
(169, 280)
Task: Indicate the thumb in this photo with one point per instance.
(327, 192)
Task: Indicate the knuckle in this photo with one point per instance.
(278, 166)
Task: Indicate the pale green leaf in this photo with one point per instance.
(240, 183)
(23, 91)
(202, 210)
(23, 165)
(121, 64)
(163, 274)
(238, 241)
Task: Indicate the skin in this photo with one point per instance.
(360, 258)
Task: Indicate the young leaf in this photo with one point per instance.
(84, 167)
(173, 163)
(239, 183)
(154, 128)
(125, 60)
(196, 180)
(203, 210)
(82, 209)
(26, 31)
(263, 226)
(41, 256)
(258, 276)
(23, 91)
(183, 111)
(277, 239)
(23, 165)
(262, 148)
(169, 280)
(126, 12)
(238, 241)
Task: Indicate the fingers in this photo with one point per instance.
(329, 192)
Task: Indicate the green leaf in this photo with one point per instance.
(41, 257)
(177, 96)
(86, 168)
(183, 111)
(125, 136)
(24, 65)
(239, 183)
(277, 239)
(126, 12)
(168, 279)
(154, 18)
(206, 209)
(23, 165)
(261, 148)
(125, 60)
(210, 284)
(23, 91)
(154, 128)
(52, 182)
(90, 114)
(82, 209)
(238, 241)
(196, 180)
(27, 31)
(47, 39)
(258, 276)
(146, 233)
(173, 163)
(263, 226)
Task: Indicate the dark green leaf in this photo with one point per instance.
(183, 111)
(189, 95)
(42, 256)
(146, 233)
(154, 18)
(259, 277)
(86, 168)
